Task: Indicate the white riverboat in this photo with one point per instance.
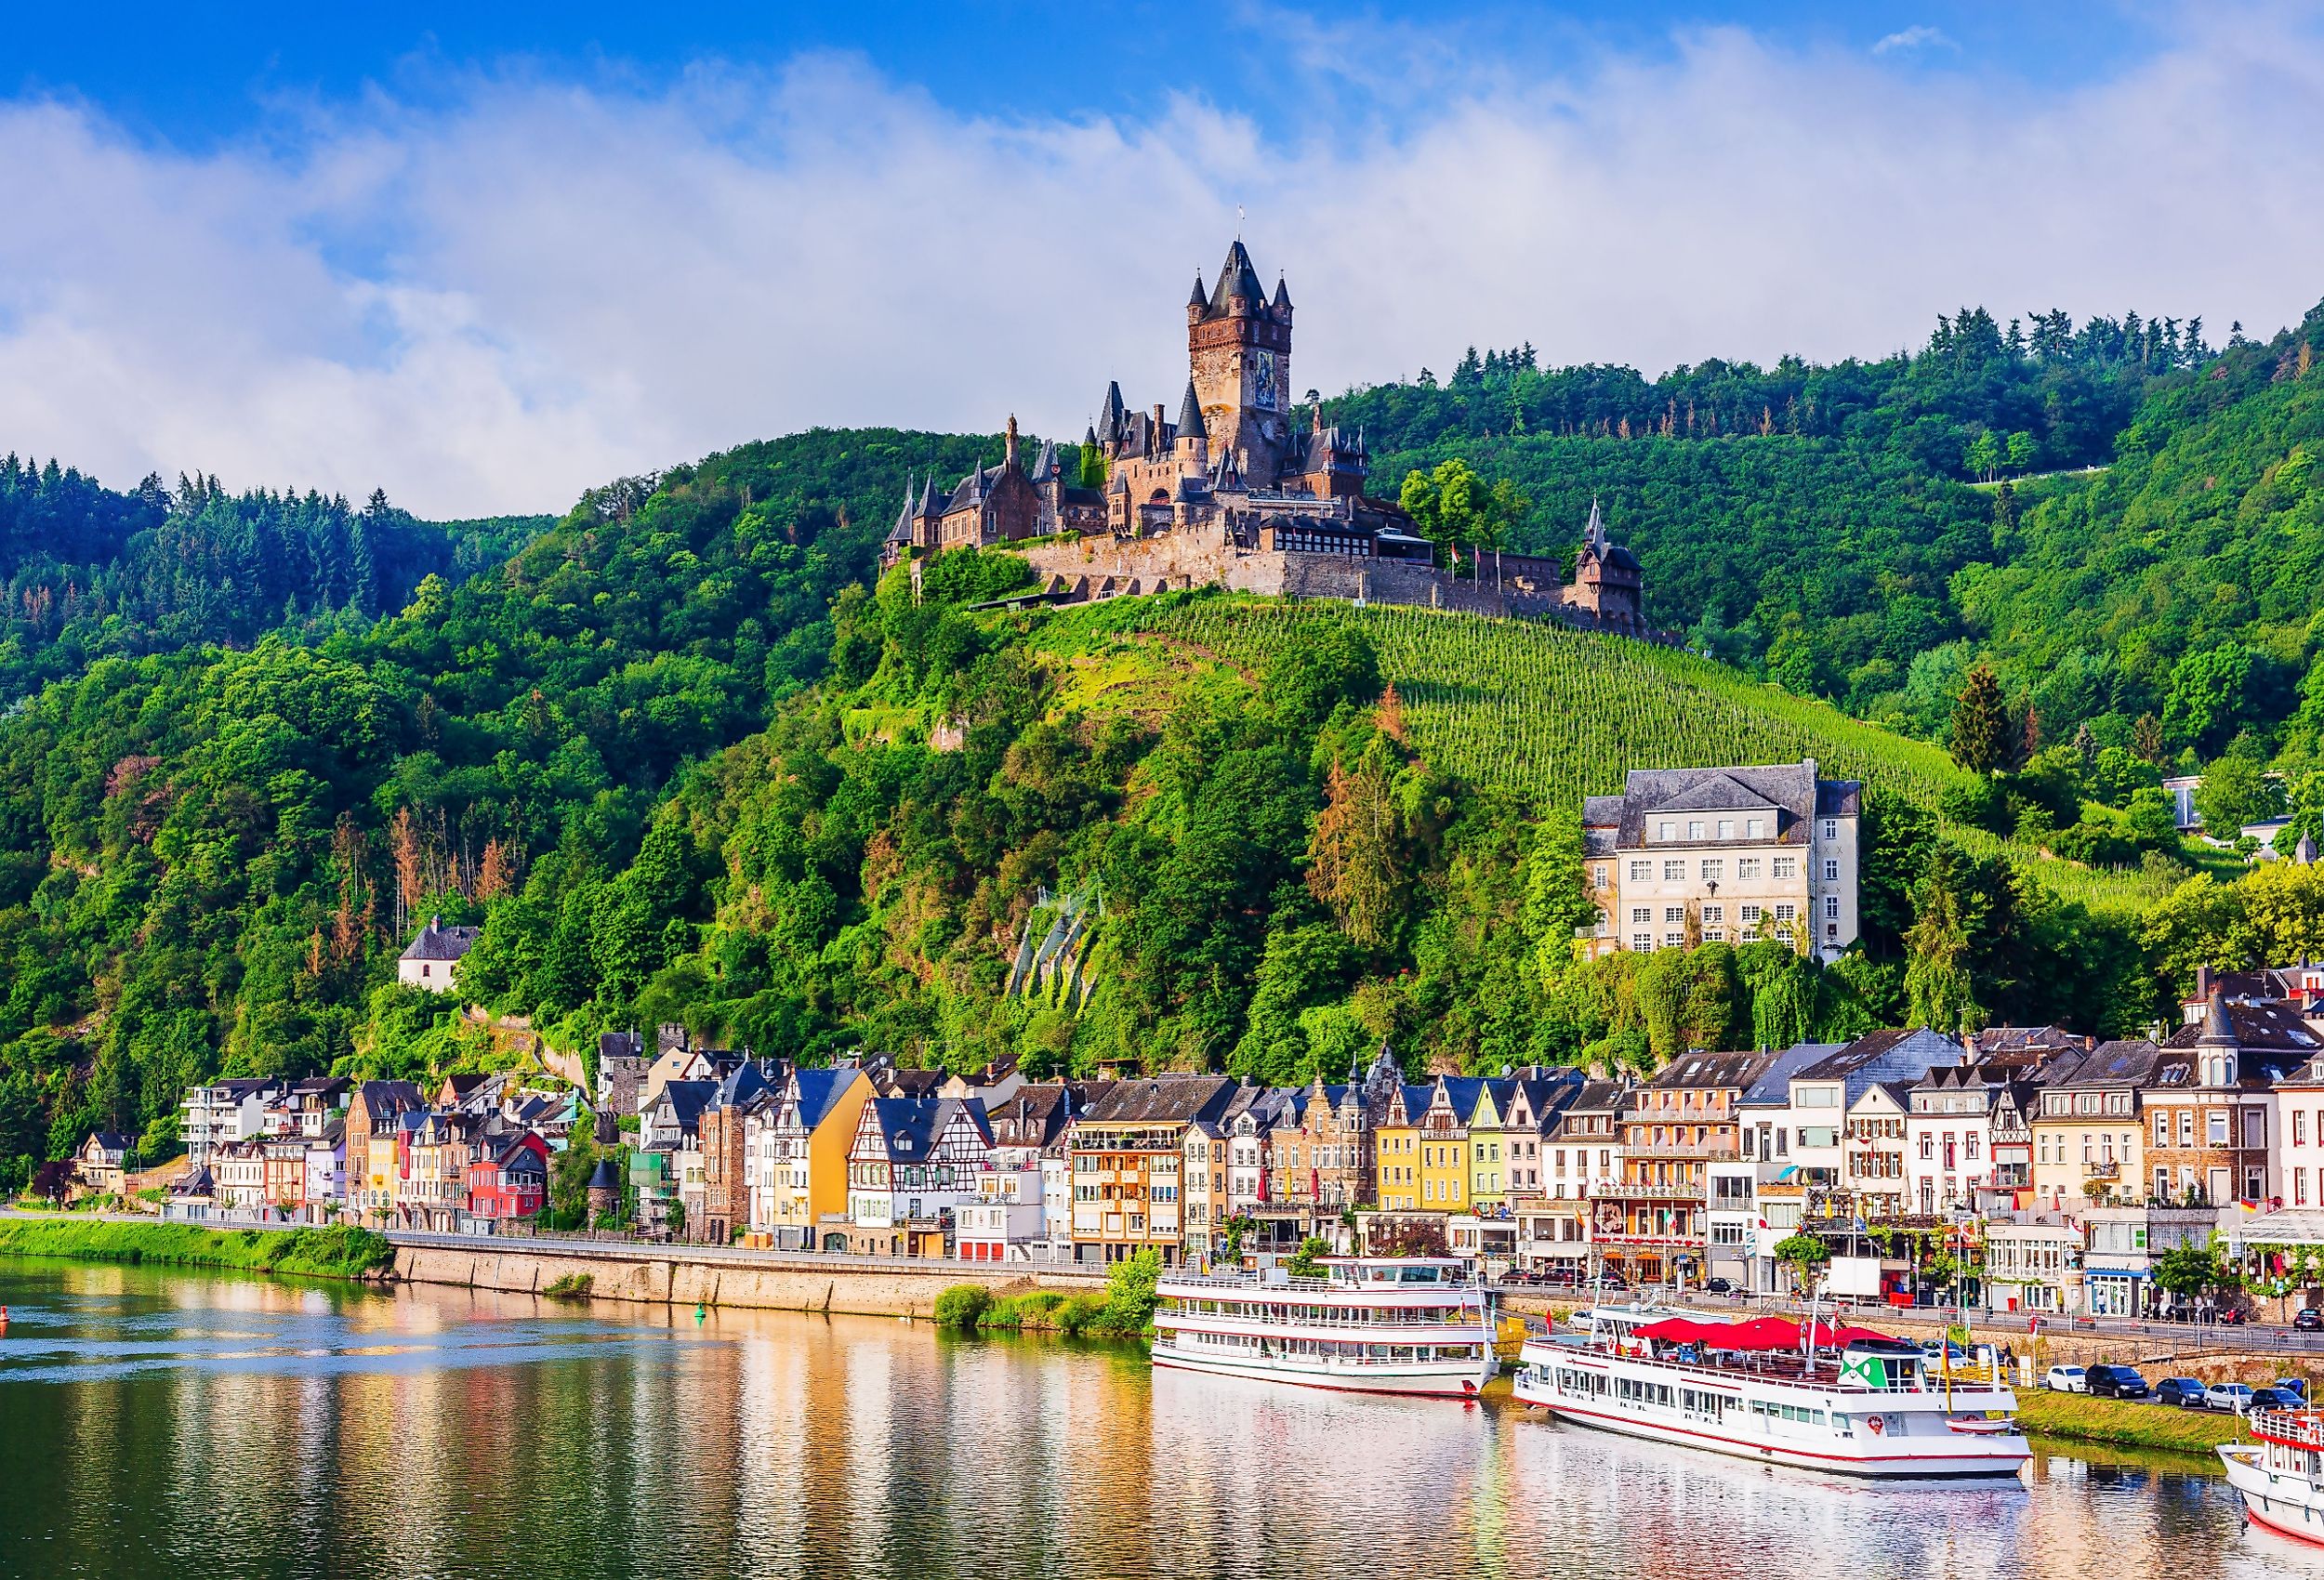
(2280, 1473)
(1370, 1324)
(1841, 1400)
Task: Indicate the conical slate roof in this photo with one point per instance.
(1198, 298)
(1282, 292)
(1236, 278)
(1190, 416)
(1112, 413)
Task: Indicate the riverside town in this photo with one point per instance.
(924, 791)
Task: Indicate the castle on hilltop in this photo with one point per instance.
(1234, 492)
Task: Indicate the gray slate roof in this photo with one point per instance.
(437, 941)
(1789, 793)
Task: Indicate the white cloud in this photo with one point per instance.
(537, 284)
(1918, 36)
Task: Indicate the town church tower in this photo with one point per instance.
(1239, 346)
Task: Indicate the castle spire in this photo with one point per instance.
(1200, 297)
(1190, 416)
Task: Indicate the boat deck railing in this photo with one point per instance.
(1790, 1369)
(1294, 1284)
(2301, 1429)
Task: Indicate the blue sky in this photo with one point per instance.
(487, 258)
(189, 75)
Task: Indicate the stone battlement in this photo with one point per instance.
(1510, 586)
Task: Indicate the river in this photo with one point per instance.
(180, 1423)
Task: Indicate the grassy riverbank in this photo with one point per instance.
(340, 1252)
(2084, 1420)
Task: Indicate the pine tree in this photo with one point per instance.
(1981, 724)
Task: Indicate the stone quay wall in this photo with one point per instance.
(698, 1275)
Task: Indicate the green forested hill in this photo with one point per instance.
(686, 766)
(86, 572)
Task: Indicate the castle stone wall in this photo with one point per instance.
(1521, 585)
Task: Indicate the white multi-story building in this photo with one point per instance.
(1825, 1093)
(1688, 856)
(220, 1112)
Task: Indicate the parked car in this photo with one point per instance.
(2272, 1399)
(2228, 1396)
(2065, 1380)
(2114, 1382)
(2184, 1392)
(1719, 1286)
(2307, 1318)
(1519, 1275)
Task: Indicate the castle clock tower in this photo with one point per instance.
(1239, 347)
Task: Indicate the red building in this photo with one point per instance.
(511, 1180)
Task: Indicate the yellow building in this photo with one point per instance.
(1396, 1154)
(1446, 1161)
(2086, 1128)
(797, 1149)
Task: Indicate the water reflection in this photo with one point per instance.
(167, 1423)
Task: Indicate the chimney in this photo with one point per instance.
(2203, 981)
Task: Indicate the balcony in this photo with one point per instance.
(1687, 1151)
(1623, 1190)
(2102, 1171)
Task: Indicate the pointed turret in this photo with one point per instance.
(2218, 1031)
(1200, 297)
(1089, 437)
(1282, 295)
(1111, 414)
(1190, 416)
(1236, 278)
(1593, 533)
(1045, 464)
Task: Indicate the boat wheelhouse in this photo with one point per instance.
(1813, 1395)
(2280, 1473)
(1372, 1325)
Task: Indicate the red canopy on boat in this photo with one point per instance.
(1760, 1334)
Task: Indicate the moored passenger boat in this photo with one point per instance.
(2280, 1473)
(1371, 1325)
(1842, 1400)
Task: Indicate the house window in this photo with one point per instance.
(1674, 941)
(2299, 1126)
(1832, 907)
(1831, 828)
(1641, 871)
(2162, 1129)
(1714, 871)
(1667, 831)
(1642, 941)
(1695, 828)
(1755, 828)
(1787, 913)
(2299, 1187)
(1747, 869)
(1726, 828)
(1928, 1146)
(1674, 913)
(1674, 872)
(1786, 867)
(1969, 1146)
(1641, 913)
(1714, 913)
(2216, 1127)
(2255, 1127)
(1598, 875)
(1831, 871)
